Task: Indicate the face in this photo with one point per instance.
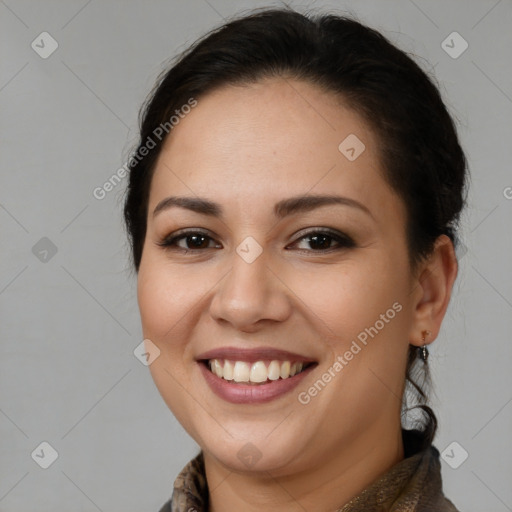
(321, 282)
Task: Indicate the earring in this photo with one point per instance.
(423, 351)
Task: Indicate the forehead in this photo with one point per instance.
(275, 138)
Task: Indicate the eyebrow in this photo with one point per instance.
(282, 208)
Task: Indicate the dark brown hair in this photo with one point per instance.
(422, 158)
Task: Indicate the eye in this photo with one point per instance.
(188, 241)
(321, 240)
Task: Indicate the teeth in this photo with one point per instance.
(257, 372)
(227, 371)
(217, 368)
(285, 370)
(241, 372)
(274, 370)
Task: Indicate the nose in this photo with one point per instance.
(250, 295)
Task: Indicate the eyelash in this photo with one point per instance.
(344, 241)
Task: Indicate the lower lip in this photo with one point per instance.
(250, 393)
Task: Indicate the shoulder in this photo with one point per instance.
(190, 490)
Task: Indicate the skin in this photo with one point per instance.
(247, 148)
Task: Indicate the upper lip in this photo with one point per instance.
(253, 354)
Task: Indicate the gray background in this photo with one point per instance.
(69, 320)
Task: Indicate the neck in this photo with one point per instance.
(325, 487)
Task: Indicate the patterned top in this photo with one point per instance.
(412, 485)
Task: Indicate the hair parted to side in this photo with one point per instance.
(420, 151)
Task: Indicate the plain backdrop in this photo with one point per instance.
(69, 318)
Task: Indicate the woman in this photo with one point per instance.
(292, 207)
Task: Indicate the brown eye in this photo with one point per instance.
(188, 241)
(322, 241)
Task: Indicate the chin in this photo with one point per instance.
(254, 453)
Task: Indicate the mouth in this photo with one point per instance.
(243, 376)
(255, 373)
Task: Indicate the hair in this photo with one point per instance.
(422, 159)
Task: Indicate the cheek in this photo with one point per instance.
(344, 299)
(363, 317)
(166, 296)
(168, 302)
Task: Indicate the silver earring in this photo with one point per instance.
(424, 350)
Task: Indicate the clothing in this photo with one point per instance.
(412, 485)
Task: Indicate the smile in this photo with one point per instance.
(247, 392)
(258, 372)
(253, 375)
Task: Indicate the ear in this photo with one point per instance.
(431, 291)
